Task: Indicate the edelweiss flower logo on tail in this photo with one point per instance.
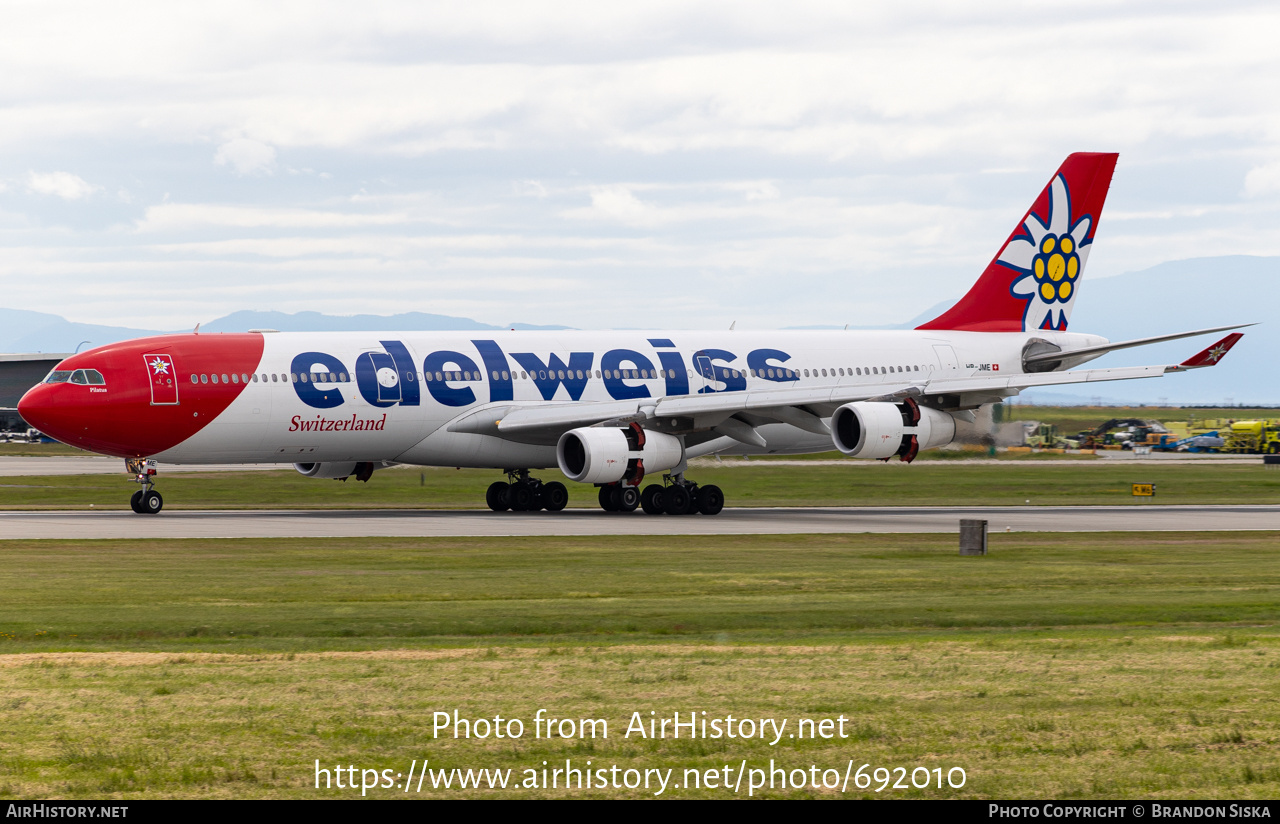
(1050, 257)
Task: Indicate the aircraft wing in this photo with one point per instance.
(799, 406)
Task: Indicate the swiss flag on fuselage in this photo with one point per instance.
(164, 379)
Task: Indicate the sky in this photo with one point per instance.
(650, 164)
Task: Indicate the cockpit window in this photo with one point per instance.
(81, 377)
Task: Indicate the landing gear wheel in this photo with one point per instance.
(152, 502)
(606, 499)
(651, 499)
(554, 496)
(521, 497)
(135, 503)
(498, 496)
(628, 498)
(710, 500)
(676, 500)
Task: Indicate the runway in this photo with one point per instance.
(17, 467)
(76, 465)
(736, 521)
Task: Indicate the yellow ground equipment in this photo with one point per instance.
(1045, 436)
(1121, 433)
(1252, 437)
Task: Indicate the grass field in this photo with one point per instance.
(1084, 665)
(42, 450)
(754, 483)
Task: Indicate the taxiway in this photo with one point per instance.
(733, 521)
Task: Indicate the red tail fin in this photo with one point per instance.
(1032, 282)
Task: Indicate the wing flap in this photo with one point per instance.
(567, 415)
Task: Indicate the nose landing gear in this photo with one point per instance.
(145, 501)
(525, 494)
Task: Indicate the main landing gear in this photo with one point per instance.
(678, 497)
(145, 501)
(525, 494)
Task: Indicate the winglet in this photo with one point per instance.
(1213, 354)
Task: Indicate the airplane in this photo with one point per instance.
(610, 409)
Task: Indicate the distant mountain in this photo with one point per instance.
(925, 316)
(1189, 294)
(317, 322)
(1170, 297)
(25, 331)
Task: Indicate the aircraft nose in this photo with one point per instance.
(39, 409)
(33, 406)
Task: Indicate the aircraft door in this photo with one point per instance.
(947, 359)
(163, 378)
(382, 367)
(704, 368)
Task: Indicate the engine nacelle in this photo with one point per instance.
(873, 429)
(605, 455)
(338, 471)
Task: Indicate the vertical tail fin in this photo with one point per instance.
(1033, 280)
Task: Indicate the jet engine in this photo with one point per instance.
(874, 429)
(338, 471)
(606, 454)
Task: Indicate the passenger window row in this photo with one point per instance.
(861, 370)
(282, 377)
(94, 378)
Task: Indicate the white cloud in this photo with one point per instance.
(247, 157)
(529, 188)
(60, 184)
(849, 151)
(1262, 180)
(617, 203)
(169, 217)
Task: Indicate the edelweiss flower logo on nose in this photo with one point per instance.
(1050, 255)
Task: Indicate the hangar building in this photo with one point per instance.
(18, 373)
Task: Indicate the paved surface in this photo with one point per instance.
(21, 467)
(1110, 458)
(737, 521)
(69, 465)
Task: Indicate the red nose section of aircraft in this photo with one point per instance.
(141, 397)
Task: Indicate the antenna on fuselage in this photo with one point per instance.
(735, 323)
(196, 331)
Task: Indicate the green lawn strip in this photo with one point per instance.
(1059, 666)
(44, 450)
(756, 484)
(190, 593)
(1183, 715)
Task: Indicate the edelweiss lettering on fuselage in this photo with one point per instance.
(391, 377)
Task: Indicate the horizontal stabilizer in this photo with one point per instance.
(1095, 351)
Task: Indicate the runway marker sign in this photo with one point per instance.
(1144, 490)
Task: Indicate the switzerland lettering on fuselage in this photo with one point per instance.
(392, 377)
